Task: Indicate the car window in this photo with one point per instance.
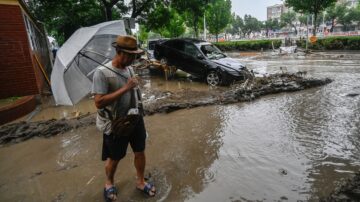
(212, 52)
(190, 49)
(178, 45)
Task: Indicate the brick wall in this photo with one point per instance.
(17, 73)
(18, 109)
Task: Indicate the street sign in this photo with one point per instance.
(313, 39)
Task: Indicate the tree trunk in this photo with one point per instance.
(108, 11)
(332, 25)
(315, 25)
(267, 33)
(195, 27)
(296, 32)
(108, 8)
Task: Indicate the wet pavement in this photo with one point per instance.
(284, 147)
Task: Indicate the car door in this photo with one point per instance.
(177, 53)
(172, 51)
(193, 64)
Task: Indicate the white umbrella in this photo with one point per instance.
(72, 74)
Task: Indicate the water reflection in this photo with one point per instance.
(290, 146)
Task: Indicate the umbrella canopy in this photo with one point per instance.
(72, 74)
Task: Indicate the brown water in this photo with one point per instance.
(290, 146)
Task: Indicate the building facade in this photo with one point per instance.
(25, 63)
(275, 11)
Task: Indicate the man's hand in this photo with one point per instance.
(132, 83)
(102, 101)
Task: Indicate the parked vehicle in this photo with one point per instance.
(201, 59)
(151, 47)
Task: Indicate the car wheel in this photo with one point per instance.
(213, 78)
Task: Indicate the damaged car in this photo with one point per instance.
(201, 59)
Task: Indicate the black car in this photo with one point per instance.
(151, 47)
(201, 59)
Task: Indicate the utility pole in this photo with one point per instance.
(307, 32)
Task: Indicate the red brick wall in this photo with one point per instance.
(17, 75)
(18, 109)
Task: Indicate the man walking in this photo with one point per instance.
(113, 88)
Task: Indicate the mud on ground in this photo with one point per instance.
(349, 190)
(166, 102)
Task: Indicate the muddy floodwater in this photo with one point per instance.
(283, 147)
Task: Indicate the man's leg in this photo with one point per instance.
(139, 163)
(110, 190)
(113, 151)
(110, 169)
(137, 143)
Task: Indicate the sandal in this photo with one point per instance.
(110, 194)
(148, 190)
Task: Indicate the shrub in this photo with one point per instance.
(248, 45)
(333, 43)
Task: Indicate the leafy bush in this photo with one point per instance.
(333, 43)
(248, 45)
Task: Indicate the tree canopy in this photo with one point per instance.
(62, 18)
(251, 24)
(334, 13)
(271, 24)
(288, 19)
(192, 10)
(218, 16)
(310, 6)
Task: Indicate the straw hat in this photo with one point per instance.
(127, 44)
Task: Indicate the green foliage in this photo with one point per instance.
(143, 34)
(248, 45)
(218, 16)
(309, 6)
(352, 15)
(159, 18)
(236, 23)
(271, 24)
(335, 12)
(165, 21)
(288, 19)
(334, 43)
(176, 26)
(62, 18)
(314, 7)
(251, 24)
(303, 19)
(356, 14)
(192, 10)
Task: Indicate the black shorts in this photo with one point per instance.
(115, 149)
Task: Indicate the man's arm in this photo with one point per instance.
(103, 100)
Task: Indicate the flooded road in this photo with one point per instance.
(289, 146)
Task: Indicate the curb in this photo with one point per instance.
(17, 109)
